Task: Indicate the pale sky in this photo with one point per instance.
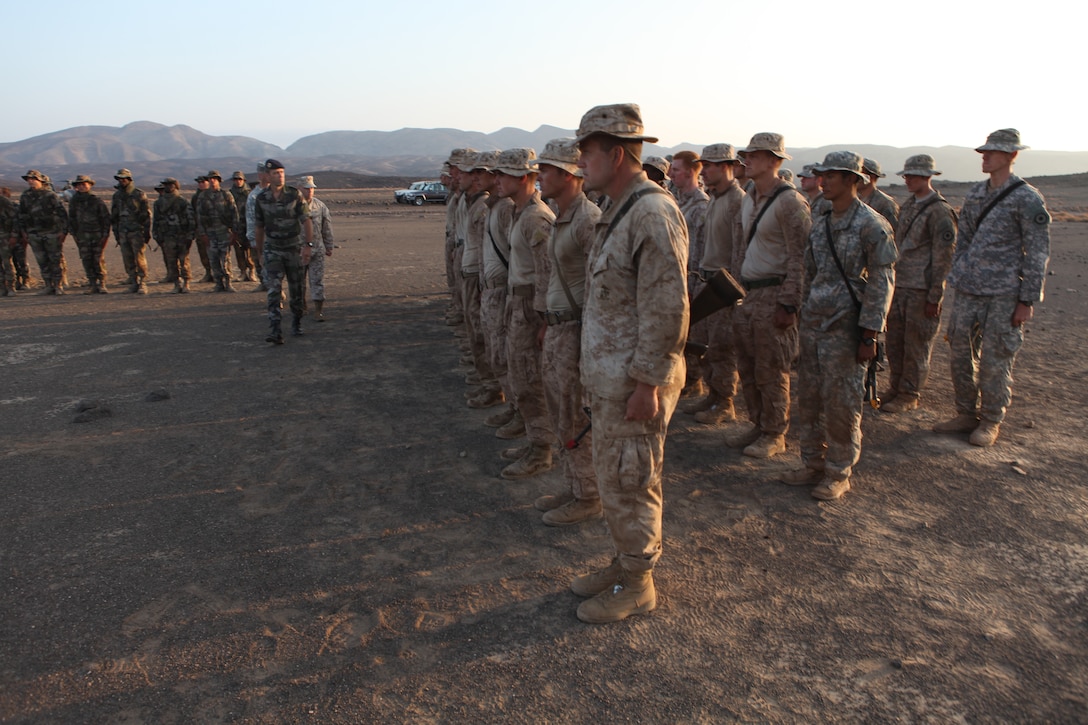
(902, 74)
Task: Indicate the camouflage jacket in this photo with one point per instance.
(693, 206)
(778, 247)
(9, 226)
(322, 221)
(572, 237)
(529, 262)
(88, 216)
(453, 204)
(1009, 253)
(723, 230)
(215, 211)
(241, 196)
(926, 238)
(500, 217)
(130, 212)
(41, 212)
(473, 230)
(174, 218)
(635, 319)
(865, 245)
(281, 218)
(884, 205)
(251, 214)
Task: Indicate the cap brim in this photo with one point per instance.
(564, 165)
(622, 137)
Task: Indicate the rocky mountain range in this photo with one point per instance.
(153, 150)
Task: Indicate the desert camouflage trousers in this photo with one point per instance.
(219, 244)
(470, 298)
(493, 320)
(7, 265)
(281, 264)
(523, 363)
(983, 345)
(175, 250)
(132, 254)
(909, 342)
(315, 274)
(830, 395)
(453, 276)
(49, 252)
(764, 355)
(91, 253)
(628, 457)
(566, 400)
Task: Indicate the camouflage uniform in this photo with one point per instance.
(693, 206)
(771, 268)
(633, 329)
(926, 238)
(473, 231)
(201, 244)
(830, 381)
(722, 232)
(995, 266)
(251, 228)
(131, 218)
(282, 223)
(8, 242)
(174, 227)
(883, 205)
(323, 243)
(216, 219)
(453, 262)
(526, 302)
(44, 222)
(568, 248)
(495, 278)
(89, 223)
(241, 247)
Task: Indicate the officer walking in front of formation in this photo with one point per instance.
(216, 220)
(89, 222)
(43, 224)
(174, 227)
(131, 217)
(321, 247)
(282, 225)
(997, 271)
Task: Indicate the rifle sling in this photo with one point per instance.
(755, 224)
(997, 200)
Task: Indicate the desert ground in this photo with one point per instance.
(240, 532)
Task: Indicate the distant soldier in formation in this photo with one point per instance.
(43, 224)
(216, 221)
(998, 272)
(810, 187)
(9, 240)
(239, 189)
(131, 218)
(657, 171)
(89, 223)
(926, 239)
(264, 180)
(202, 185)
(282, 226)
(874, 197)
(320, 248)
(174, 228)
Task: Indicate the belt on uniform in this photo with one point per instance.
(554, 318)
(522, 290)
(768, 282)
(495, 283)
(469, 275)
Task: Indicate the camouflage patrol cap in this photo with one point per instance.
(238, 175)
(83, 179)
(621, 120)
(807, 171)
(123, 174)
(562, 153)
(719, 153)
(919, 165)
(170, 180)
(658, 163)
(306, 182)
(767, 141)
(786, 175)
(516, 162)
(467, 161)
(846, 161)
(872, 168)
(1005, 139)
(213, 174)
(35, 174)
(486, 160)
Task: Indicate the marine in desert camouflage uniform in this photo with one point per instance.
(455, 313)
(926, 238)
(174, 228)
(9, 240)
(684, 171)
(322, 247)
(89, 223)
(43, 224)
(997, 271)
(837, 338)
(216, 222)
(633, 329)
(130, 213)
(874, 197)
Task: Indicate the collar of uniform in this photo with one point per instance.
(760, 198)
(733, 183)
(848, 215)
(638, 182)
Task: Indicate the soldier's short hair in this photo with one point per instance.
(690, 158)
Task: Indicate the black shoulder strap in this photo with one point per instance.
(752, 231)
(655, 189)
(997, 200)
(496, 246)
(838, 262)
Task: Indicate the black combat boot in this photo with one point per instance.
(296, 327)
(275, 335)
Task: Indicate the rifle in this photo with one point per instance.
(573, 442)
(722, 290)
(871, 395)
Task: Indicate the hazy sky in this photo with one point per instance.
(903, 74)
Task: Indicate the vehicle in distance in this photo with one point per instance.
(420, 192)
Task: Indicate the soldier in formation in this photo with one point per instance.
(43, 225)
(89, 221)
(174, 228)
(130, 213)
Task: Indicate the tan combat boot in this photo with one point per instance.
(767, 446)
(720, 412)
(595, 582)
(691, 406)
(986, 434)
(742, 438)
(514, 429)
(551, 501)
(498, 420)
(141, 287)
(801, 477)
(634, 594)
(574, 512)
(831, 490)
(490, 397)
(962, 423)
(900, 404)
(514, 453)
(537, 459)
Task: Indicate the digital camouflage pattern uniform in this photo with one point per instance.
(633, 330)
(131, 218)
(216, 219)
(323, 243)
(996, 265)
(926, 238)
(693, 206)
(282, 222)
(43, 221)
(174, 228)
(8, 241)
(831, 382)
(493, 310)
(89, 223)
(568, 247)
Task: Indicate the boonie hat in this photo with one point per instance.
(842, 161)
(786, 175)
(919, 165)
(238, 175)
(200, 178)
(122, 174)
(516, 162)
(658, 163)
(807, 171)
(273, 164)
(767, 141)
(562, 153)
(83, 179)
(467, 161)
(719, 153)
(872, 168)
(486, 160)
(213, 174)
(622, 120)
(160, 187)
(170, 180)
(35, 174)
(457, 156)
(306, 182)
(1005, 139)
